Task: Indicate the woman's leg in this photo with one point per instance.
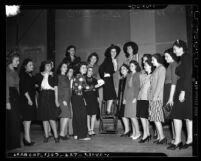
(159, 128)
(93, 120)
(46, 128)
(63, 126)
(136, 126)
(88, 124)
(109, 105)
(54, 128)
(178, 128)
(189, 126)
(147, 127)
(27, 125)
(144, 126)
(126, 124)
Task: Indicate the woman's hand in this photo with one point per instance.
(170, 102)
(30, 103)
(124, 101)
(106, 75)
(134, 100)
(57, 103)
(182, 96)
(8, 106)
(65, 103)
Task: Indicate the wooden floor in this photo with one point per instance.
(102, 143)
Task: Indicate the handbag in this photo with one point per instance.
(167, 109)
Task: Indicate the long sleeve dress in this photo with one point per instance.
(131, 92)
(27, 85)
(183, 110)
(157, 86)
(13, 115)
(109, 92)
(64, 94)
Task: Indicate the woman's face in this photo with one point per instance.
(132, 67)
(130, 50)
(89, 72)
(113, 53)
(15, 62)
(70, 73)
(29, 67)
(48, 67)
(72, 51)
(154, 61)
(144, 59)
(83, 69)
(177, 50)
(168, 58)
(124, 71)
(64, 68)
(147, 67)
(93, 60)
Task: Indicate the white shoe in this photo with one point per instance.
(136, 137)
(85, 139)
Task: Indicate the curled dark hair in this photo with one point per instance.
(148, 61)
(81, 64)
(12, 53)
(138, 69)
(181, 44)
(123, 65)
(158, 58)
(148, 58)
(43, 63)
(93, 54)
(69, 47)
(59, 67)
(24, 64)
(170, 52)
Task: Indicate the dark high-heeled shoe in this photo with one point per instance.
(173, 146)
(56, 140)
(156, 141)
(185, 146)
(125, 134)
(26, 143)
(46, 139)
(63, 137)
(148, 138)
(163, 141)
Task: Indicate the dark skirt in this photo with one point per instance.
(46, 106)
(182, 110)
(166, 93)
(109, 92)
(28, 112)
(92, 102)
(142, 109)
(121, 111)
(79, 116)
(13, 121)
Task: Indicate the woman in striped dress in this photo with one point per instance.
(156, 97)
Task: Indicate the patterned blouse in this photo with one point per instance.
(79, 84)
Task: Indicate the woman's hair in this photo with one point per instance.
(93, 54)
(123, 65)
(137, 68)
(173, 55)
(81, 64)
(158, 58)
(148, 58)
(181, 44)
(12, 53)
(69, 47)
(43, 63)
(59, 67)
(24, 64)
(148, 61)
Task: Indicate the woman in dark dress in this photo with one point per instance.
(12, 102)
(79, 104)
(92, 102)
(71, 58)
(48, 99)
(182, 109)
(64, 96)
(106, 70)
(124, 69)
(28, 98)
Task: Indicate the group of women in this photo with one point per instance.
(73, 92)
